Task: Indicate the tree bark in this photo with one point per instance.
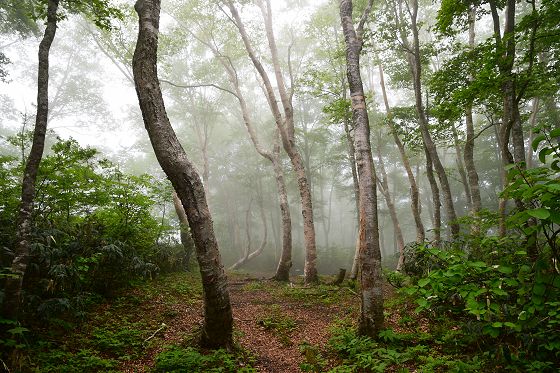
(218, 320)
(461, 167)
(414, 193)
(371, 315)
(435, 198)
(13, 286)
(468, 153)
(384, 187)
(532, 122)
(186, 239)
(415, 66)
(285, 125)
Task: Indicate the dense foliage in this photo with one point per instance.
(95, 229)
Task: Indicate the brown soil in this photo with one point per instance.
(253, 300)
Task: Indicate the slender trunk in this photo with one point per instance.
(186, 239)
(532, 122)
(13, 286)
(352, 161)
(415, 66)
(285, 125)
(435, 198)
(461, 167)
(285, 263)
(371, 279)
(249, 255)
(414, 193)
(468, 154)
(384, 187)
(218, 320)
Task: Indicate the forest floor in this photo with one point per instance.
(272, 321)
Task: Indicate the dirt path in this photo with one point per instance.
(313, 314)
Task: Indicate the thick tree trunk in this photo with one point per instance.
(285, 125)
(218, 320)
(13, 287)
(371, 316)
(414, 193)
(186, 239)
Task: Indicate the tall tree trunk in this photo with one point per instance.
(186, 239)
(384, 187)
(218, 320)
(415, 66)
(414, 193)
(371, 279)
(468, 154)
(285, 125)
(13, 286)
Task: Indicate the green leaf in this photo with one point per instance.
(504, 269)
(497, 324)
(539, 213)
(543, 153)
(537, 141)
(423, 282)
(555, 132)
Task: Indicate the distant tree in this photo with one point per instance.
(285, 123)
(218, 319)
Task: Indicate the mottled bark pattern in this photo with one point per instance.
(13, 287)
(371, 316)
(217, 328)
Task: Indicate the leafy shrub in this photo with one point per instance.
(94, 230)
(81, 361)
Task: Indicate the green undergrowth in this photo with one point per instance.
(175, 359)
(278, 323)
(112, 333)
(411, 349)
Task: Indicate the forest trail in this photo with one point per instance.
(154, 323)
(271, 320)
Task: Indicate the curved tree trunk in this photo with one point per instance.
(249, 255)
(218, 320)
(371, 315)
(285, 124)
(13, 287)
(415, 66)
(414, 193)
(186, 239)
